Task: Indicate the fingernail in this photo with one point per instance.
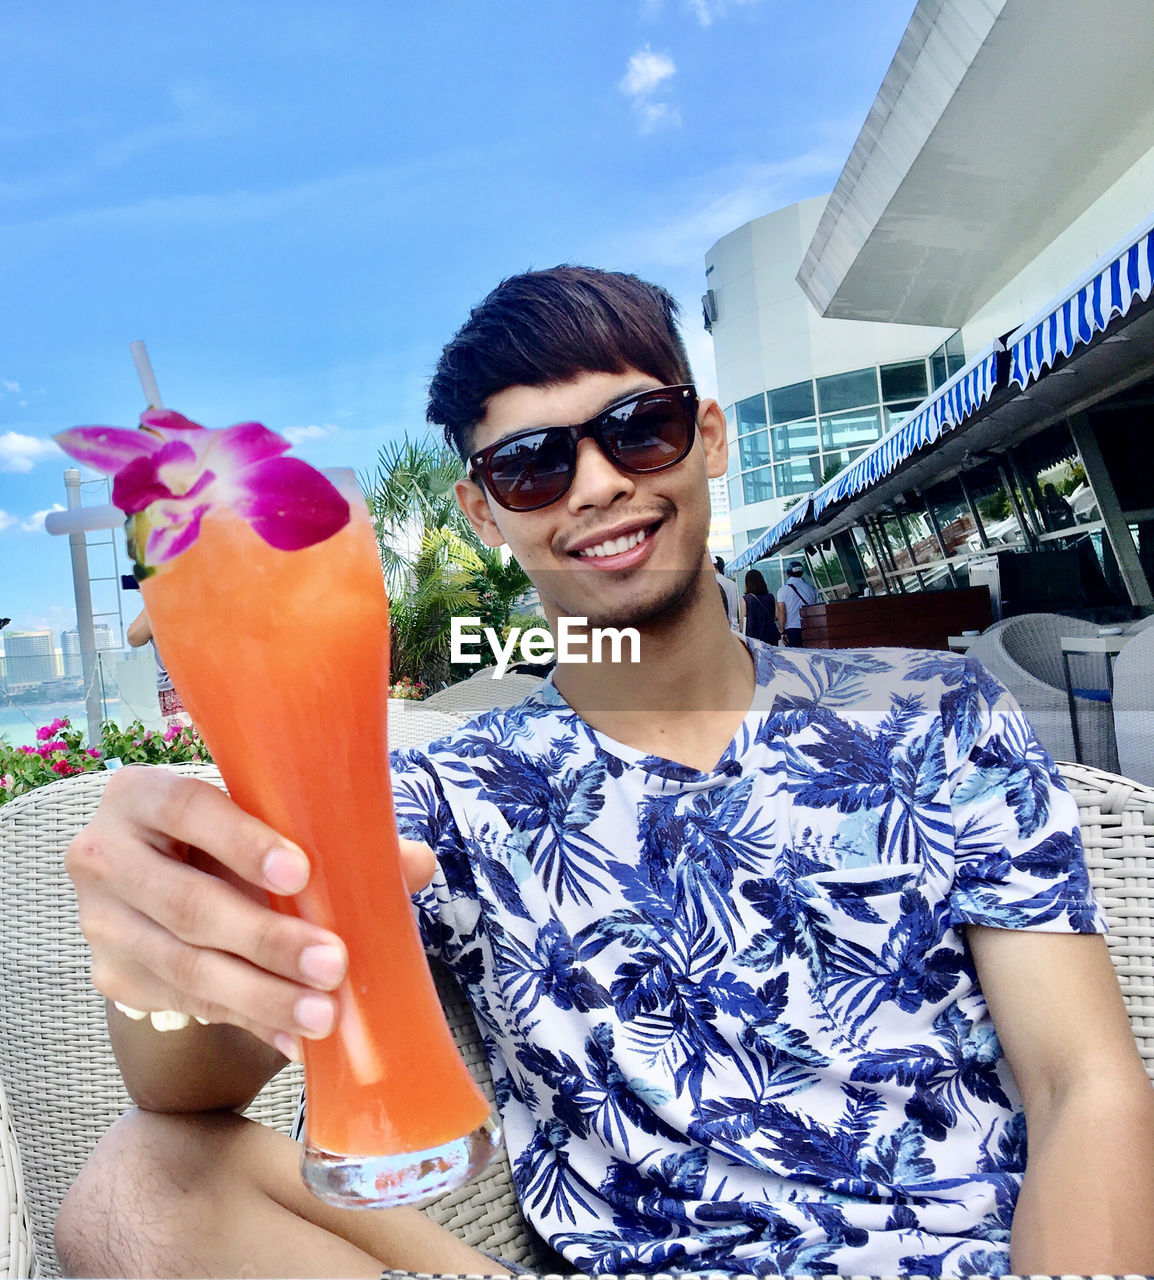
(285, 870)
(287, 1045)
(314, 1014)
(323, 964)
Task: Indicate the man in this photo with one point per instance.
(794, 595)
(728, 591)
(733, 929)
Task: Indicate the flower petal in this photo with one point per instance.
(290, 504)
(175, 527)
(243, 445)
(137, 485)
(106, 449)
(168, 420)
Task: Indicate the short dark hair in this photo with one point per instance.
(755, 583)
(544, 327)
(719, 564)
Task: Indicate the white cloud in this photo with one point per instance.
(311, 432)
(646, 74)
(35, 522)
(646, 71)
(6, 520)
(10, 384)
(21, 453)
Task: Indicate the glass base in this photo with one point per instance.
(381, 1182)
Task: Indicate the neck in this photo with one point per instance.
(686, 695)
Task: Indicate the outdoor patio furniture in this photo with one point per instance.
(63, 1089)
(480, 692)
(1134, 706)
(1025, 654)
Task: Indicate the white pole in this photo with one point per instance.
(144, 373)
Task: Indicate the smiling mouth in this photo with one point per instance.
(616, 546)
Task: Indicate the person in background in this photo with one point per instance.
(757, 610)
(728, 592)
(171, 708)
(796, 593)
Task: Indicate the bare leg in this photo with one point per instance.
(212, 1194)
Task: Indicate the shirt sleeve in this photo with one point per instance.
(446, 908)
(1019, 857)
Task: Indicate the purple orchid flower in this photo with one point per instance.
(176, 471)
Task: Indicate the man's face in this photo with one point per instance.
(570, 549)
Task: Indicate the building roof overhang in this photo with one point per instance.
(997, 124)
(1114, 360)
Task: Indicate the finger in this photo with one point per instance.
(201, 911)
(158, 971)
(166, 808)
(418, 864)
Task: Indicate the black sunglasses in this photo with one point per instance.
(641, 434)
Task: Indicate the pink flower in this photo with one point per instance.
(49, 747)
(174, 471)
(45, 732)
(28, 751)
(63, 768)
(93, 753)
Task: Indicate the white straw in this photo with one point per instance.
(144, 373)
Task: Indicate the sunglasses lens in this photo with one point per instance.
(532, 470)
(651, 433)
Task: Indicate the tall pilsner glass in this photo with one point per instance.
(282, 660)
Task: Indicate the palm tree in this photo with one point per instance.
(435, 566)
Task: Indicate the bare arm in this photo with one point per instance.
(1087, 1201)
(781, 621)
(139, 630)
(172, 881)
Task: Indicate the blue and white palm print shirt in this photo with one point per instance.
(731, 1016)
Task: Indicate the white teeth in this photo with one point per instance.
(615, 547)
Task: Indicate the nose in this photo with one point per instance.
(596, 481)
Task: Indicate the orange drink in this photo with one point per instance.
(282, 660)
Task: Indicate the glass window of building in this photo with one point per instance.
(843, 430)
(750, 414)
(847, 390)
(896, 414)
(838, 460)
(735, 498)
(787, 404)
(757, 485)
(794, 438)
(754, 449)
(798, 475)
(947, 360)
(905, 381)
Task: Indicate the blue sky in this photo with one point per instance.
(295, 204)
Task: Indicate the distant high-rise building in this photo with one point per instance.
(70, 647)
(30, 658)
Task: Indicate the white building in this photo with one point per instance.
(70, 648)
(1001, 187)
(29, 658)
(803, 395)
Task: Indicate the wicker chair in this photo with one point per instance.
(1134, 707)
(1025, 654)
(480, 692)
(64, 1089)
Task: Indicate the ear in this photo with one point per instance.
(473, 502)
(711, 429)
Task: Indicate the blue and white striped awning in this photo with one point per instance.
(772, 537)
(1108, 289)
(948, 407)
